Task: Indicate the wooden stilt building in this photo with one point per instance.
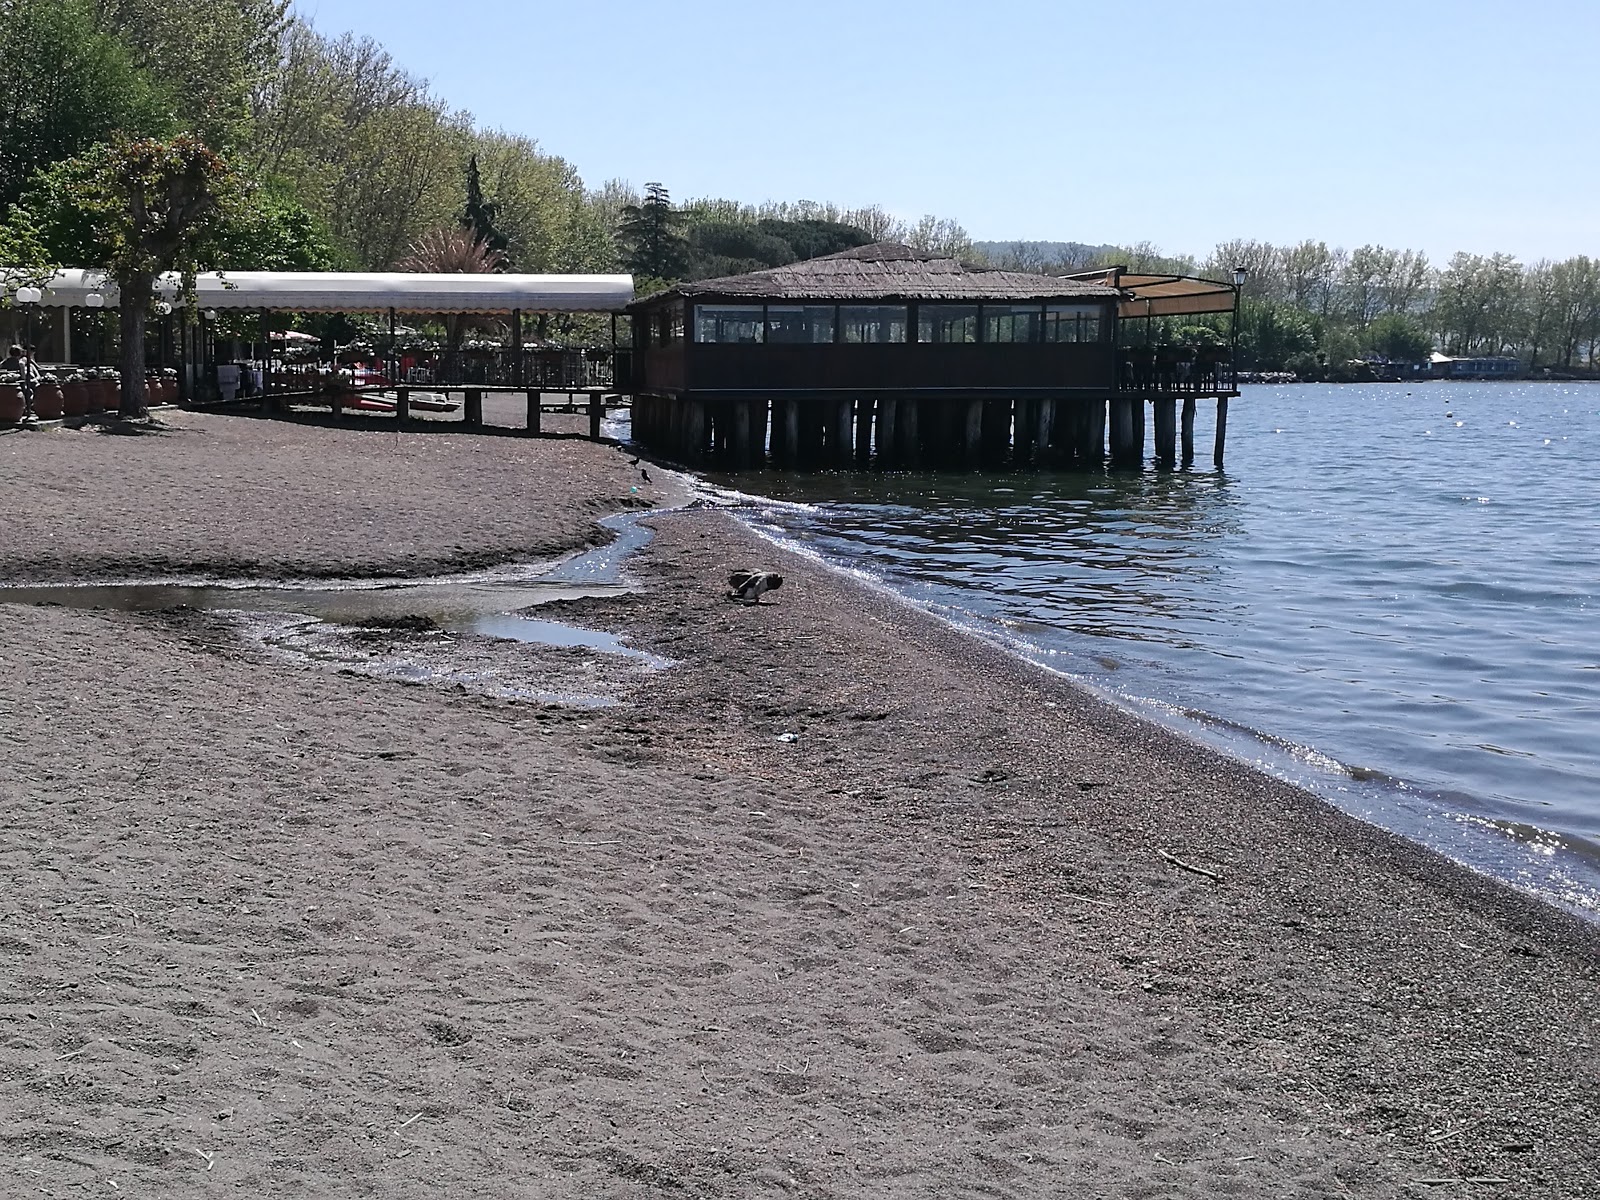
(889, 356)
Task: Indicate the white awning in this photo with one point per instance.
(335, 291)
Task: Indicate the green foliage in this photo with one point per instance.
(478, 217)
(65, 85)
(1398, 338)
(1271, 332)
(268, 229)
(209, 56)
(734, 244)
(651, 235)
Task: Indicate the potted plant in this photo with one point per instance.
(10, 397)
(48, 400)
(74, 395)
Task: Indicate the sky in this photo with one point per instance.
(1414, 123)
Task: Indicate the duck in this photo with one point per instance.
(750, 585)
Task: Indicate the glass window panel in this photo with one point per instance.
(947, 323)
(1011, 322)
(1072, 323)
(738, 324)
(873, 323)
(800, 323)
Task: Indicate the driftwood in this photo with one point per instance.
(1178, 862)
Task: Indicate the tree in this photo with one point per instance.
(65, 85)
(651, 235)
(452, 251)
(155, 205)
(1398, 338)
(208, 57)
(479, 216)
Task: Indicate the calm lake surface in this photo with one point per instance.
(1388, 597)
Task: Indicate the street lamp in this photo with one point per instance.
(1239, 276)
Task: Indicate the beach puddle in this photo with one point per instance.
(468, 632)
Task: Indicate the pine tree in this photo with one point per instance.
(651, 236)
(478, 220)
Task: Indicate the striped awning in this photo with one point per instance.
(338, 291)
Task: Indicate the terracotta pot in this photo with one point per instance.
(10, 404)
(75, 398)
(101, 392)
(47, 402)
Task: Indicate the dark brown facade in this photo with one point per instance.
(886, 355)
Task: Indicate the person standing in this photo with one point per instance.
(22, 362)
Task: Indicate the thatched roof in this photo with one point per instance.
(888, 271)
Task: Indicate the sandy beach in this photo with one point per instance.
(845, 903)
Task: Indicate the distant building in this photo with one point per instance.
(1492, 366)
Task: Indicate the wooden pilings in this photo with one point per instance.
(1166, 432)
(957, 432)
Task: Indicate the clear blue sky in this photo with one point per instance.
(1412, 123)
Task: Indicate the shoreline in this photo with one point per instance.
(931, 943)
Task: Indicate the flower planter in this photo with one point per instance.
(102, 394)
(47, 402)
(74, 398)
(10, 404)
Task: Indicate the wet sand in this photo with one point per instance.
(846, 903)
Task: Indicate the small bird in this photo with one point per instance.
(633, 462)
(749, 585)
(645, 473)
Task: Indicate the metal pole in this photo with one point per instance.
(30, 384)
(394, 360)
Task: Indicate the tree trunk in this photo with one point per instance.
(135, 296)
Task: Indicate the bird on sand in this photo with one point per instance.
(645, 473)
(749, 585)
(633, 462)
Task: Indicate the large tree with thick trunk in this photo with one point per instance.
(158, 204)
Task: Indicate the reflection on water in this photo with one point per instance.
(1380, 602)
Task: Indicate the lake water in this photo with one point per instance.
(1388, 597)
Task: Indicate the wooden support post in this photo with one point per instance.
(758, 432)
(780, 449)
(693, 448)
(1188, 431)
(910, 438)
(1097, 431)
(738, 435)
(402, 404)
(972, 434)
(1044, 431)
(792, 432)
(995, 435)
(1124, 449)
(864, 406)
(827, 432)
(1222, 431)
(1138, 431)
(1024, 428)
(597, 414)
(536, 411)
(843, 447)
(336, 402)
(1166, 432)
(472, 410)
(888, 433)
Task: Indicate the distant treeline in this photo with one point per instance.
(1311, 309)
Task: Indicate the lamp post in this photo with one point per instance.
(29, 298)
(97, 302)
(1240, 274)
